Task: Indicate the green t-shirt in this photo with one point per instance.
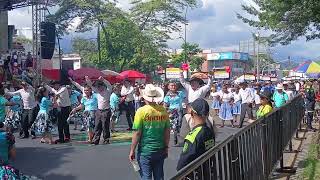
(3, 102)
(152, 120)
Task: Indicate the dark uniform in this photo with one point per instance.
(197, 142)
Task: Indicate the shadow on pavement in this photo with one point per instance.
(41, 162)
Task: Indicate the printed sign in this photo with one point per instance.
(173, 73)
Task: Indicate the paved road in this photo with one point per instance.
(82, 162)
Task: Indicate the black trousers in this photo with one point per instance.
(63, 126)
(309, 119)
(26, 121)
(130, 111)
(245, 108)
(102, 125)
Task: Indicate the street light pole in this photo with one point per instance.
(258, 70)
(185, 36)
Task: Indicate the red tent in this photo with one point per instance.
(51, 74)
(131, 74)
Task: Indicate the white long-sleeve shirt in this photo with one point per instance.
(246, 95)
(128, 92)
(195, 94)
(103, 96)
(64, 97)
(27, 97)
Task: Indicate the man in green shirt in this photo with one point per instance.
(151, 134)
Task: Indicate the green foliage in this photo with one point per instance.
(87, 49)
(23, 40)
(289, 20)
(189, 54)
(129, 40)
(160, 17)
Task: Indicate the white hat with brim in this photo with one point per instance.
(152, 93)
(279, 86)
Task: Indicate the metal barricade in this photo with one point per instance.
(253, 152)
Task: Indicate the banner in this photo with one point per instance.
(173, 73)
(221, 75)
(228, 56)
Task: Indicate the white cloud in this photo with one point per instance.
(213, 25)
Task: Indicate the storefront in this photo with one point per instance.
(237, 61)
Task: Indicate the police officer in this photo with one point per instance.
(201, 138)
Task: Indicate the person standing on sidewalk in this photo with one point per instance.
(64, 104)
(247, 98)
(103, 91)
(310, 100)
(279, 97)
(29, 112)
(127, 91)
(151, 134)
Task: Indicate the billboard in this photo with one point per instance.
(228, 56)
(221, 74)
(173, 73)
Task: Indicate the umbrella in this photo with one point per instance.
(109, 72)
(308, 67)
(131, 74)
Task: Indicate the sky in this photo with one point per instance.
(213, 25)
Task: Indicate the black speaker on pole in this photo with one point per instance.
(48, 39)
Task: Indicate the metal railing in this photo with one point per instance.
(253, 152)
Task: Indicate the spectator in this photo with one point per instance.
(127, 91)
(280, 98)
(266, 104)
(310, 100)
(152, 134)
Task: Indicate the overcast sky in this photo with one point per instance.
(213, 25)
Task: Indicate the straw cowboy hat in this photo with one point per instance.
(279, 86)
(152, 93)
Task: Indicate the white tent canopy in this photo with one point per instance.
(109, 72)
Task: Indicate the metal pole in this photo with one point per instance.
(99, 45)
(258, 70)
(185, 36)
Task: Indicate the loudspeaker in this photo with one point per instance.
(10, 36)
(48, 39)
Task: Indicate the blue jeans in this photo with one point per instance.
(151, 165)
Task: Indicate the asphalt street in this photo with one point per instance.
(77, 161)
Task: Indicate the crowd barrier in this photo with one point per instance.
(253, 152)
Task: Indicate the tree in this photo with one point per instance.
(87, 49)
(191, 54)
(289, 20)
(160, 17)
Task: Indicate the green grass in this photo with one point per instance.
(312, 164)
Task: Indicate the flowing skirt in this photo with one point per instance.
(43, 124)
(215, 104)
(236, 108)
(225, 112)
(89, 118)
(13, 120)
(8, 172)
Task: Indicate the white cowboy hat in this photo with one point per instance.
(279, 86)
(152, 93)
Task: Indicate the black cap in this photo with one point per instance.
(200, 106)
(267, 95)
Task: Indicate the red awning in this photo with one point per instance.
(51, 74)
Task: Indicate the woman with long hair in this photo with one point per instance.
(90, 104)
(43, 124)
